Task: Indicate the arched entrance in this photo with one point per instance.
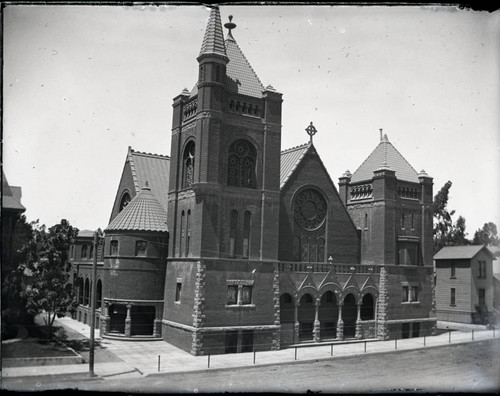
(306, 317)
(349, 316)
(117, 316)
(368, 307)
(287, 312)
(328, 315)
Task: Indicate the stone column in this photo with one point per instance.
(317, 324)
(340, 323)
(276, 343)
(358, 322)
(128, 320)
(296, 323)
(382, 330)
(198, 313)
(105, 319)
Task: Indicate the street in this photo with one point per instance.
(471, 367)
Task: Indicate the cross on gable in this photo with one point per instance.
(311, 131)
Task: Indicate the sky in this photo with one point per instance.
(82, 83)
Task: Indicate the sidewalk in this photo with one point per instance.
(142, 358)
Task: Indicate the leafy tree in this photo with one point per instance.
(443, 223)
(14, 309)
(458, 234)
(50, 291)
(488, 235)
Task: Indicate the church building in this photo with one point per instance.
(231, 244)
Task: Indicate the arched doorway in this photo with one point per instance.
(328, 315)
(117, 316)
(368, 307)
(349, 316)
(142, 320)
(287, 311)
(306, 317)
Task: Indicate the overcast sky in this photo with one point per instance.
(81, 84)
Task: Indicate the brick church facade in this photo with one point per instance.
(232, 245)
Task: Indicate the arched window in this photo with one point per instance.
(91, 252)
(80, 291)
(84, 252)
(188, 231)
(368, 307)
(242, 159)
(86, 295)
(124, 201)
(188, 165)
(181, 233)
(233, 230)
(99, 294)
(246, 234)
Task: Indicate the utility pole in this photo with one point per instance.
(97, 236)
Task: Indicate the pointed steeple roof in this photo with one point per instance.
(143, 213)
(242, 78)
(385, 156)
(213, 42)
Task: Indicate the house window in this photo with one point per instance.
(241, 164)
(84, 252)
(482, 297)
(239, 292)
(140, 248)
(406, 293)
(453, 271)
(452, 296)
(414, 294)
(113, 248)
(482, 269)
(178, 289)
(408, 253)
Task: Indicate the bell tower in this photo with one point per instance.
(223, 210)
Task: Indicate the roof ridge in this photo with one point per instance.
(148, 154)
(295, 148)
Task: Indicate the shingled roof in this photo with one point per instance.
(143, 213)
(213, 42)
(151, 168)
(461, 252)
(385, 152)
(11, 196)
(290, 159)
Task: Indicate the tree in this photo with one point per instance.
(458, 234)
(442, 218)
(488, 235)
(50, 291)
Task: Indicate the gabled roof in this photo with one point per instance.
(242, 79)
(213, 42)
(153, 169)
(11, 196)
(385, 152)
(461, 252)
(143, 213)
(290, 159)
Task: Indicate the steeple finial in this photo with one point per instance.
(230, 26)
(311, 131)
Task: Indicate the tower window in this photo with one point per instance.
(242, 160)
(246, 234)
(113, 248)
(84, 252)
(124, 201)
(233, 230)
(188, 165)
(140, 248)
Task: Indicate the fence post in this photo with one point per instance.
(449, 336)
(396, 343)
(472, 334)
(493, 332)
(295, 353)
(158, 363)
(424, 340)
(365, 346)
(331, 350)
(253, 357)
(208, 360)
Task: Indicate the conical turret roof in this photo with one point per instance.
(143, 213)
(387, 156)
(213, 42)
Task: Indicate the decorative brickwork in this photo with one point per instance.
(382, 302)
(276, 301)
(199, 305)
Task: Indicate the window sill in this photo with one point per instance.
(411, 302)
(236, 306)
